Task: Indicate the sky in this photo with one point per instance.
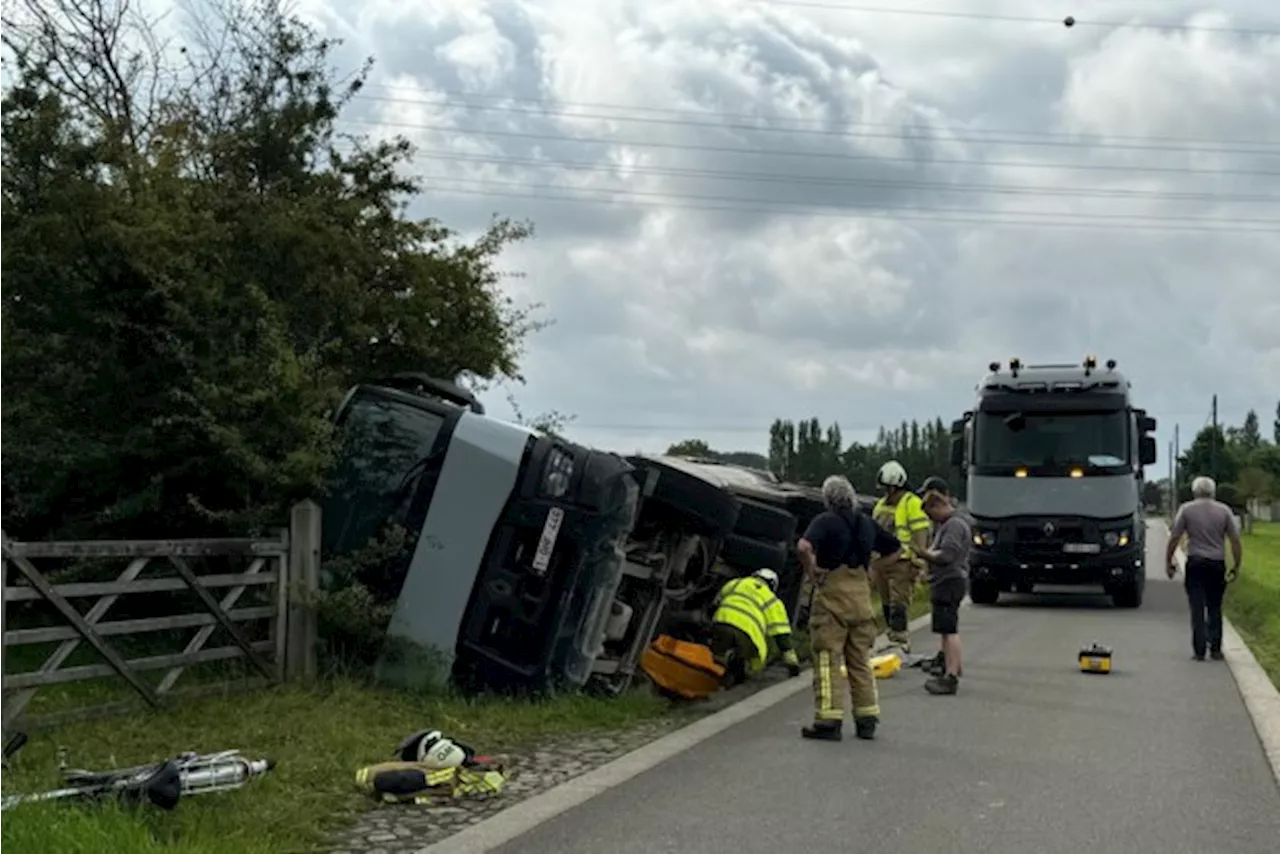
(747, 210)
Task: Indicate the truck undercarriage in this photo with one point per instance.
(532, 563)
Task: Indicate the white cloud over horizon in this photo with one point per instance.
(910, 190)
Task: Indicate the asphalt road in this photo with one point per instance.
(1031, 756)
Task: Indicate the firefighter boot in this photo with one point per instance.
(824, 731)
(897, 622)
(865, 728)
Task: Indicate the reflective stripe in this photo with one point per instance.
(746, 611)
(866, 712)
(827, 709)
(750, 606)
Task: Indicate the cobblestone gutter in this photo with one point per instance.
(406, 828)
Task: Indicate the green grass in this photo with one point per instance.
(1253, 601)
(319, 736)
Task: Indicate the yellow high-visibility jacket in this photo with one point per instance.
(909, 519)
(749, 605)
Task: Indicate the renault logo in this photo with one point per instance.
(1049, 529)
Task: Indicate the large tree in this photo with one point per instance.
(197, 264)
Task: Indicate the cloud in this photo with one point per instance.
(805, 212)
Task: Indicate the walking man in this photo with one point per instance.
(835, 551)
(948, 560)
(899, 512)
(1207, 524)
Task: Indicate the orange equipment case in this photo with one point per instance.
(687, 670)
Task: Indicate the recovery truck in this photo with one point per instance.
(533, 563)
(1053, 459)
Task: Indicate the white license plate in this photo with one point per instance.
(1081, 548)
(547, 542)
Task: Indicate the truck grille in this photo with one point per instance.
(1034, 541)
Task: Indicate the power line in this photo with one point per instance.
(814, 180)
(744, 205)
(1021, 19)
(817, 132)
(639, 108)
(824, 155)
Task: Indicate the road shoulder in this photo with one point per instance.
(1260, 696)
(520, 818)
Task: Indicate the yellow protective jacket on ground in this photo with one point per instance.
(909, 519)
(749, 605)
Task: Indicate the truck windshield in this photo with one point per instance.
(1037, 440)
(383, 444)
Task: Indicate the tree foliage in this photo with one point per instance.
(1245, 465)
(197, 264)
(805, 453)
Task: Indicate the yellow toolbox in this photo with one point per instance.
(1095, 658)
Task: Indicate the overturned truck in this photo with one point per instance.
(530, 562)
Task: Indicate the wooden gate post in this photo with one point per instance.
(304, 579)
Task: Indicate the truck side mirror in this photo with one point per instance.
(957, 427)
(957, 451)
(1147, 424)
(1147, 450)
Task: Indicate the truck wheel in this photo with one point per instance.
(764, 522)
(750, 554)
(713, 509)
(791, 585)
(1129, 596)
(983, 592)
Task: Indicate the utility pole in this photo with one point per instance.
(1173, 483)
(1177, 450)
(1213, 442)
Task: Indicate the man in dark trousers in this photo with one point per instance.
(1207, 524)
(835, 551)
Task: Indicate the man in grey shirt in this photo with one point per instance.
(1207, 524)
(948, 560)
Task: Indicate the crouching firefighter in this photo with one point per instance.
(835, 550)
(901, 513)
(747, 614)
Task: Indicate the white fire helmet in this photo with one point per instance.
(435, 750)
(769, 577)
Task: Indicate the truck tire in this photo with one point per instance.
(750, 554)
(983, 592)
(764, 522)
(713, 510)
(791, 584)
(1128, 596)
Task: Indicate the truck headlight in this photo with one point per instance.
(1116, 539)
(984, 539)
(557, 473)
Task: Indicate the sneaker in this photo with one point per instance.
(1199, 656)
(1217, 655)
(865, 728)
(940, 685)
(823, 731)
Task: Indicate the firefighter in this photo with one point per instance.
(747, 614)
(835, 551)
(899, 512)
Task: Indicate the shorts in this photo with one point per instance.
(945, 597)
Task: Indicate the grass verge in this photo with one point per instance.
(1253, 601)
(319, 736)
